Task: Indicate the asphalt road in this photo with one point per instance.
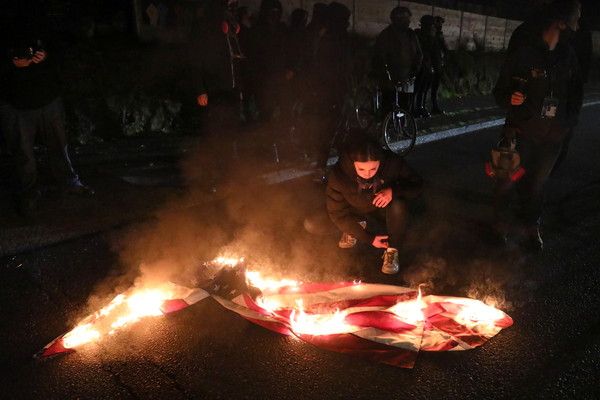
(206, 352)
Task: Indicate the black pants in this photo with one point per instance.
(537, 159)
(21, 128)
(423, 85)
(394, 215)
(435, 86)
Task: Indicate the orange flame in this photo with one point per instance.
(318, 324)
(123, 310)
(411, 311)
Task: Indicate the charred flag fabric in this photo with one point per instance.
(384, 323)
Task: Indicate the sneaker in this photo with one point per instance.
(348, 241)
(391, 265)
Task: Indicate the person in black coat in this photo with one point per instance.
(366, 185)
(439, 55)
(31, 105)
(397, 57)
(427, 39)
(540, 85)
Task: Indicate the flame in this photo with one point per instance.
(317, 324)
(123, 310)
(411, 311)
(232, 261)
(265, 284)
(79, 335)
(477, 315)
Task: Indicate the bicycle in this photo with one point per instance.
(399, 129)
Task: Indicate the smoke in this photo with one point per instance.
(225, 210)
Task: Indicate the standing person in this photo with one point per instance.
(397, 57)
(297, 63)
(216, 84)
(216, 52)
(582, 44)
(540, 84)
(439, 56)
(268, 59)
(329, 82)
(427, 39)
(369, 185)
(31, 105)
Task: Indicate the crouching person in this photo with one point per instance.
(369, 184)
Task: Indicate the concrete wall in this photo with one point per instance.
(369, 17)
(461, 29)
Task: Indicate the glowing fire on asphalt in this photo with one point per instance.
(283, 299)
(122, 311)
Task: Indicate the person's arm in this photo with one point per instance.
(340, 213)
(504, 86)
(199, 81)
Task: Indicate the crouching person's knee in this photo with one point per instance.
(319, 224)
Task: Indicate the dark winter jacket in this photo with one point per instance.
(400, 50)
(216, 55)
(31, 87)
(347, 202)
(547, 73)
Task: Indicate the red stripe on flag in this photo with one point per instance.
(169, 306)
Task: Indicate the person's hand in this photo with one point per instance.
(383, 197)
(380, 242)
(517, 98)
(39, 56)
(203, 100)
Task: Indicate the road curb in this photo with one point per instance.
(288, 174)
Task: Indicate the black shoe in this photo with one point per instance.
(79, 190)
(533, 240)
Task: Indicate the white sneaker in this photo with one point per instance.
(391, 264)
(348, 241)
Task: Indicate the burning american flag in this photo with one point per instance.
(384, 323)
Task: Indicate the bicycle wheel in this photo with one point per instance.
(399, 131)
(365, 108)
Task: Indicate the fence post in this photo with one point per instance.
(504, 39)
(460, 30)
(485, 32)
